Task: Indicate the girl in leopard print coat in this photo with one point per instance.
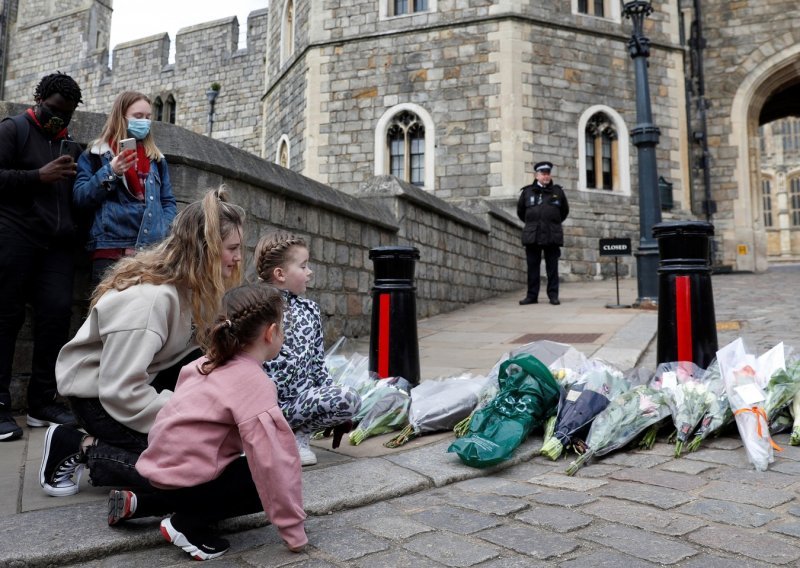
(309, 399)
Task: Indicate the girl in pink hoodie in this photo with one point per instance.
(222, 411)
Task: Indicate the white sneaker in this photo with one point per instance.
(307, 457)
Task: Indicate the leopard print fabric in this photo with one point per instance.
(309, 399)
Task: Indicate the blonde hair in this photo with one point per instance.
(246, 310)
(116, 126)
(190, 258)
(273, 251)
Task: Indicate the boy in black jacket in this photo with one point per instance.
(36, 240)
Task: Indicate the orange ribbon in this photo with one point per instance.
(759, 412)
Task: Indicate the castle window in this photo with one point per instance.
(608, 9)
(287, 31)
(600, 139)
(170, 109)
(282, 156)
(392, 8)
(592, 7)
(404, 145)
(158, 109)
(795, 201)
(603, 160)
(766, 201)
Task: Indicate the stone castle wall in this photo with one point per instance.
(73, 37)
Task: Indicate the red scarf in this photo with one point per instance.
(136, 175)
(61, 134)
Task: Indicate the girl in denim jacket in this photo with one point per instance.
(128, 193)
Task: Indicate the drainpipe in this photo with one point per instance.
(698, 43)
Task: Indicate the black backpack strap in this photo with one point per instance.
(23, 128)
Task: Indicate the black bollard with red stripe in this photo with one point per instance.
(687, 326)
(393, 344)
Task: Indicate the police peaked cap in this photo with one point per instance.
(543, 166)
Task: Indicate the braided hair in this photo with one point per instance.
(58, 83)
(246, 311)
(273, 251)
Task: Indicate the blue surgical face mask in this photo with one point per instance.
(138, 127)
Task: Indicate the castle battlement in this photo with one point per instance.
(73, 36)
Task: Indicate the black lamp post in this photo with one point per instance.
(211, 95)
(645, 137)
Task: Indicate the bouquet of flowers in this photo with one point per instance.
(781, 389)
(624, 418)
(561, 359)
(580, 404)
(439, 405)
(718, 413)
(389, 412)
(528, 393)
(742, 384)
(666, 380)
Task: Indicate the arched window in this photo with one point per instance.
(604, 163)
(601, 148)
(158, 109)
(794, 196)
(282, 155)
(405, 144)
(405, 140)
(766, 200)
(170, 109)
(287, 31)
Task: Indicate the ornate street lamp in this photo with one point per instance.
(645, 137)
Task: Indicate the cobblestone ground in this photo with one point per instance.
(631, 509)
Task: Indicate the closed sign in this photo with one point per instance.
(615, 247)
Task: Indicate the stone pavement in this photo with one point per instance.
(369, 506)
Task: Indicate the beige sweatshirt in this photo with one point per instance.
(127, 339)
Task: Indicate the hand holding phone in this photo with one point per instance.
(70, 148)
(127, 144)
(124, 158)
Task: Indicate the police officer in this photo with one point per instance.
(542, 206)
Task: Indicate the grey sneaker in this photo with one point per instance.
(307, 457)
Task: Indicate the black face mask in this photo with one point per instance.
(52, 121)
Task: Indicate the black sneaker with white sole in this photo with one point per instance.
(50, 415)
(61, 469)
(9, 429)
(197, 541)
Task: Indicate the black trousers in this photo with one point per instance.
(42, 278)
(533, 254)
(230, 495)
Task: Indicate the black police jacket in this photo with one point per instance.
(542, 209)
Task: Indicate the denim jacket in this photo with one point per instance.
(121, 220)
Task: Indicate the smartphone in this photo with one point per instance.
(70, 148)
(127, 144)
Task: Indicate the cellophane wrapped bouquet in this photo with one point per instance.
(580, 403)
(745, 385)
(627, 416)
